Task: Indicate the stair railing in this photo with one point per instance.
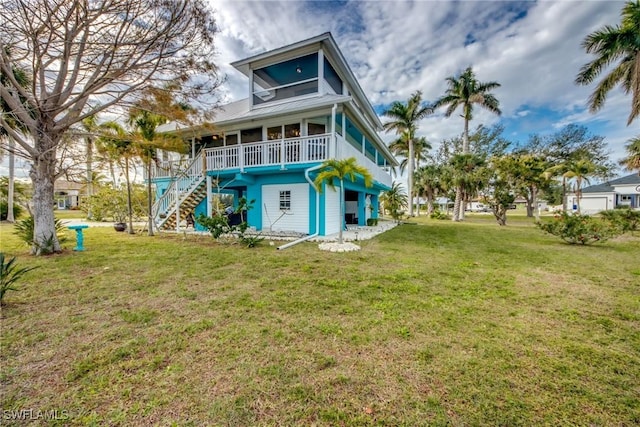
(180, 187)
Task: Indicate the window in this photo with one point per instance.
(296, 77)
(316, 129)
(251, 135)
(290, 131)
(332, 78)
(285, 200)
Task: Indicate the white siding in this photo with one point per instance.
(332, 211)
(296, 219)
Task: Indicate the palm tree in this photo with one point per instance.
(119, 144)
(340, 170)
(145, 123)
(465, 91)
(400, 147)
(89, 128)
(610, 44)
(579, 171)
(468, 173)
(394, 200)
(428, 182)
(632, 161)
(404, 120)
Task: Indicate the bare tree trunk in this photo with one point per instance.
(456, 204)
(534, 196)
(500, 212)
(89, 174)
(430, 197)
(341, 211)
(410, 177)
(465, 137)
(129, 207)
(10, 195)
(564, 194)
(43, 176)
(149, 198)
(463, 205)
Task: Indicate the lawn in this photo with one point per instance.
(429, 324)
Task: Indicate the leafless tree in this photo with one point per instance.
(87, 56)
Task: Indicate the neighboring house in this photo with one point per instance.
(619, 192)
(67, 194)
(304, 107)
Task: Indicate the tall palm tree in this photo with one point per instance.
(341, 170)
(404, 120)
(465, 91)
(89, 128)
(119, 144)
(610, 44)
(145, 123)
(632, 161)
(400, 147)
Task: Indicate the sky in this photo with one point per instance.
(532, 48)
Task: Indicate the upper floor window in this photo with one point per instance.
(287, 79)
(332, 78)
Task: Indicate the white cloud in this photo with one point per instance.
(395, 48)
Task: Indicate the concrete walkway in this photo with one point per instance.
(353, 233)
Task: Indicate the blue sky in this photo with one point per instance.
(397, 47)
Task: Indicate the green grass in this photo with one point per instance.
(429, 324)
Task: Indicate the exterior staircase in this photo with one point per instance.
(185, 192)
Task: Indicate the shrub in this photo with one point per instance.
(24, 230)
(217, 225)
(4, 210)
(438, 214)
(371, 222)
(579, 229)
(9, 275)
(234, 224)
(626, 219)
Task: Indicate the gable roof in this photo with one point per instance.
(607, 187)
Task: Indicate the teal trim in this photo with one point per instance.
(374, 204)
(312, 210)
(361, 208)
(323, 209)
(254, 216)
(201, 209)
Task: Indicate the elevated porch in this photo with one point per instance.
(280, 154)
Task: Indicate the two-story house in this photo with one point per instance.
(304, 107)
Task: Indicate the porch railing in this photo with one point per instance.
(346, 150)
(315, 148)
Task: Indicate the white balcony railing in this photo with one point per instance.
(283, 152)
(346, 150)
